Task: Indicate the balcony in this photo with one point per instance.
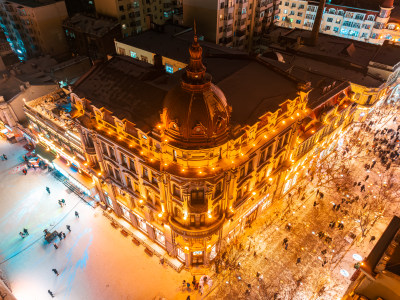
(91, 150)
(194, 232)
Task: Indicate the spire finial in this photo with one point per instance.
(194, 26)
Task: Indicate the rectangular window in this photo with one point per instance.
(329, 20)
(262, 157)
(133, 54)
(250, 168)
(132, 165)
(169, 68)
(176, 191)
(239, 194)
(124, 161)
(197, 197)
(218, 189)
(298, 21)
(145, 173)
(241, 172)
(128, 182)
(112, 153)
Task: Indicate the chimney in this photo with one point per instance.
(317, 23)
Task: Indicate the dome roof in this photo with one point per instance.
(196, 113)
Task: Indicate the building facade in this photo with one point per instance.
(231, 23)
(378, 275)
(34, 28)
(138, 16)
(52, 130)
(367, 22)
(183, 174)
(91, 37)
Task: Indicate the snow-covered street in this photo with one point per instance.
(94, 261)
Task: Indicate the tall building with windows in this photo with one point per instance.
(358, 20)
(232, 23)
(34, 27)
(187, 161)
(137, 16)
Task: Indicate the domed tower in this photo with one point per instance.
(196, 113)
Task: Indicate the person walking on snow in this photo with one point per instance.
(26, 231)
(76, 214)
(5, 157)
(55, 246)
(298, 260)
(51, 293)
(63, 202)
(63, 234)
(22, 235)
(48, 189)
(55, 271)
(68, 227)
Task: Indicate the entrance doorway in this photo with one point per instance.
(197, 258)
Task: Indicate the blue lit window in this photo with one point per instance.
(143, 136)
(133, 54)
(169, 68)
(298, 21)
(243, 11)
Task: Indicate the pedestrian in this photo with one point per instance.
(372, 239)
(55, 246)
(24, 171)
(55, 271)
(63, 234)
(285, 240)
(188, 285)
(60, 203)
(22, 235)
(366, 178)
(362, 189)
(337, 207)
(334, 207)
(315, 203)
(76, 214)
(188, 297)
(60, 235)
(298, 260)
(48, 189)
(321, 195)
(286, 245)
(63, 201)
(194, 282)
(68, 227)
(317, 192)
(26, 231)
(5, 157)
(183, 285)
(51, 293)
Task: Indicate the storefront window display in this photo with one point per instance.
(160, 236)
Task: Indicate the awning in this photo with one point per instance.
(42, 152)
(74, 175)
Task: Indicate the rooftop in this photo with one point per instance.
(135, 90)
(33, 3)
(173, 41)
(337, 57)
(357, 4)
(381, 247)
(89, 25)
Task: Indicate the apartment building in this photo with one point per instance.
(34, 27)
(137, 16)
(366, 22)
(232, 23)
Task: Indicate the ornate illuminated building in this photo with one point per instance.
(187, 161)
